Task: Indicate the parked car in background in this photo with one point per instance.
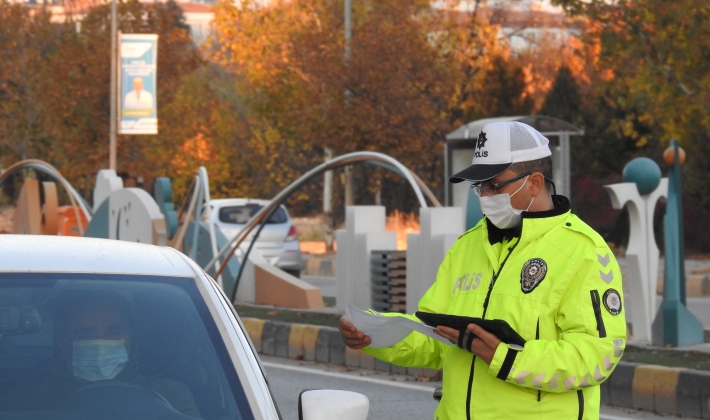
(110, 330)
(278, 240)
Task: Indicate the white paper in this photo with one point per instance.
(423, 329)
(385, 331)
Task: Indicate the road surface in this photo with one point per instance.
(392, 397)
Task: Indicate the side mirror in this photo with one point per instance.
(329, 404)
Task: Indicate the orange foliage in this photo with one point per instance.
(193, 153)
(543, 59)
(398, 222)
(402, 224)
(411, 75)
(315, 247)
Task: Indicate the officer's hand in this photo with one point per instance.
(448, 333)
(351, 336)
(484, 345)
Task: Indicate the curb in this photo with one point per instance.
(318, 344)
(660, 389)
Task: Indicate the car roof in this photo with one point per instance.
(224, 202)
(66, 254)
(239, 201)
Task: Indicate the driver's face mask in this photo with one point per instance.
(96, 360)
(500, 211)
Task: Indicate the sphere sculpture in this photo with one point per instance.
(643, 172)
(669, 156)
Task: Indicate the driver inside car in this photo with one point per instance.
(92, 342)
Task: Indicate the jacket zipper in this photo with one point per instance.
(495, 277)
(485, 308)
(596, 304)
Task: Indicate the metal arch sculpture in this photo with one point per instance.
(76, 200)
(340, 161)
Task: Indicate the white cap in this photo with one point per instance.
(501, 144)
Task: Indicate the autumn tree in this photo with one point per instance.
(412, 75)
(27, 40)
(81, 102)
(657, 52)
(54, 87)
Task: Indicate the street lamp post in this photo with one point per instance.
(328, 181)
(349, 200)
(114, 59)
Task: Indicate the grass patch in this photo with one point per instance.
(288, 315)
(672, 358)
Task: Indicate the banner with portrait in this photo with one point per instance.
(138, 97)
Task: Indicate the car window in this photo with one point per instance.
(112, 346)
(242, 214)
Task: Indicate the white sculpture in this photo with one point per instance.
(364, 232)
(440, 227)
(107, 182)
(135, 217)
(642, 253)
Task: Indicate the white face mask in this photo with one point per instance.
(500, 211)
(96, 360)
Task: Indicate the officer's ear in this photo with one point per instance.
(537, 184)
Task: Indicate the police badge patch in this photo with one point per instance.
(612, 301)
(532, 274)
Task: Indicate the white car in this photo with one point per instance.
(278, 240)
(107, 329)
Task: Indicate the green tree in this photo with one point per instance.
(564, 100)
(613, 134)
(658, 54)
(502, 91)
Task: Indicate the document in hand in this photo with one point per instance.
(385, 331)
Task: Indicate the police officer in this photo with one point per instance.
(535, 265)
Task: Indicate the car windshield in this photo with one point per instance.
(242, 214)
(112, 347)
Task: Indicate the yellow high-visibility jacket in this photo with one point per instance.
(559, 286)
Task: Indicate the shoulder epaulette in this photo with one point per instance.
(478, 226)
(576, 224)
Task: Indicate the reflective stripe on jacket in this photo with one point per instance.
(571, 316)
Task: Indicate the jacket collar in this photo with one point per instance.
(496, 234)
(534, 224)
(561, 206)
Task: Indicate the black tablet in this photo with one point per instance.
(497, 327)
